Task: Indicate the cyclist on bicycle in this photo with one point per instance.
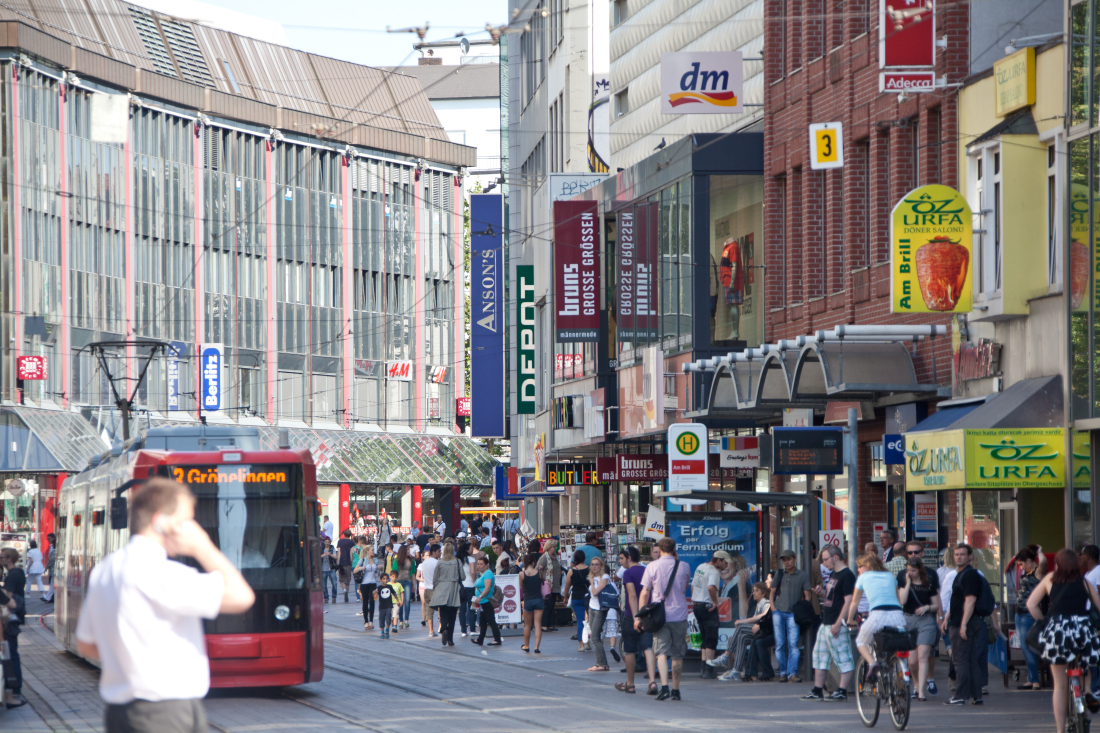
(1067, 637)
(881, 588)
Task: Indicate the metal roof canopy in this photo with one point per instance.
(36, 440)
(847, 363)
(385, 459)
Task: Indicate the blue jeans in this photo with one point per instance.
(1024, 622)
(578, 610)
(327, 577)
(405, 612)
(786, 642)
(465, 595)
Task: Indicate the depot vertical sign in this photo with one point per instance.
(576, 271)
(487, 315)
(687, 457)
(525, 336)
(210, 377)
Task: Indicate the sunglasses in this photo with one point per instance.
(914, 552)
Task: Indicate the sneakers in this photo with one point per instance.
(932, 689)
(675, 694)
(730, 676)
(794, 678)
(358, 613)
(664, 694)
(464, 633)
(840, 695)
(955, 701)
(814, 694)
(718, 661)
(782, 678)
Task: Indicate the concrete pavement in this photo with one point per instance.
(410, 682)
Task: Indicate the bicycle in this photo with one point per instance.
(1076, 720)
(893, 685)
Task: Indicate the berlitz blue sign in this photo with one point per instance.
(487, 270)
(210, 375)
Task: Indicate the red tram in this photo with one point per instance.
(260, 508)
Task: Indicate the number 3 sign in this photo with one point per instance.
(826, 146)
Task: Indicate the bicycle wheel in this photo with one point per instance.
(1075, 721)
(900, 692)
(867, 699)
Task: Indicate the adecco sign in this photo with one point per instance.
(703, 83)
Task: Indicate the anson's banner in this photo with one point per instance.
(576, 271)
(931, 233)
(487, 315)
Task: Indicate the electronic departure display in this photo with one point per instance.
(808, 450)
(267, 479)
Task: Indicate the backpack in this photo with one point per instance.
(986, 602)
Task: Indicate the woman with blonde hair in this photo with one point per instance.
(600, 594)
(447, 592)
(881, 588)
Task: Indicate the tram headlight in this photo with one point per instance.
(282, 613)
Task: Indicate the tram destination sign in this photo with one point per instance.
(808, 450)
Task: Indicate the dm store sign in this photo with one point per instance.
(701, 83)
(210, 376)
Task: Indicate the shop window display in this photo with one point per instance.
(736, 259)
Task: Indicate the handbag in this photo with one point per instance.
(609, 597)
(652, 615)
(496, 597)
(803, 612)
(1032, 638)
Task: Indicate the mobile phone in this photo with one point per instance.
(161, 526)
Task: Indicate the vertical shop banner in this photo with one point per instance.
(173, 383)
(487, 315)
(576, 271)
(931, 233)
(646, 256)
(654, 524)
(907, 34)
(210, 377)
(627, 245)
(699, 536)
(525, 336)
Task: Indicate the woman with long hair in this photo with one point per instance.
(599, 582)
(1030, 578)
(533, 604)
(447, 592)
(368, 572)
(919, 593)
(1067, 636)
(402, 572)
(576, 589)
(468, 564)
(551, 571)
(881, 589)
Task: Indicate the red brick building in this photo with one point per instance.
(827, 232)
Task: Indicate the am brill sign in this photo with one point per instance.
(986, 459)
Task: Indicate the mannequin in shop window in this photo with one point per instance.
(732, 275)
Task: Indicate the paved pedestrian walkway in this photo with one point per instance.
(410, 682)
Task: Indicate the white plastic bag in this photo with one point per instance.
(586, 634)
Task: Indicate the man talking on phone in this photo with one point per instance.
(142, 615)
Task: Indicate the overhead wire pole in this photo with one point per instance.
(123, 401)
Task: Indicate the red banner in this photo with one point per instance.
(907, 34)
(576, 271)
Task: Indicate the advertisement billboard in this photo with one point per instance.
(576, 271)
(487, 315)
(702, 83)
(931, 252)
(699, 536)
(525, 338)
(907, 34)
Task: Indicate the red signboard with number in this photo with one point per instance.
(907, 34)
(30, 367)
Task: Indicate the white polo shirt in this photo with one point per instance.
(705, 576)
(143, 612)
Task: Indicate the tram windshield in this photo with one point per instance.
(254, 515)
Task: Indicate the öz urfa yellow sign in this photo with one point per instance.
(931, 239)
